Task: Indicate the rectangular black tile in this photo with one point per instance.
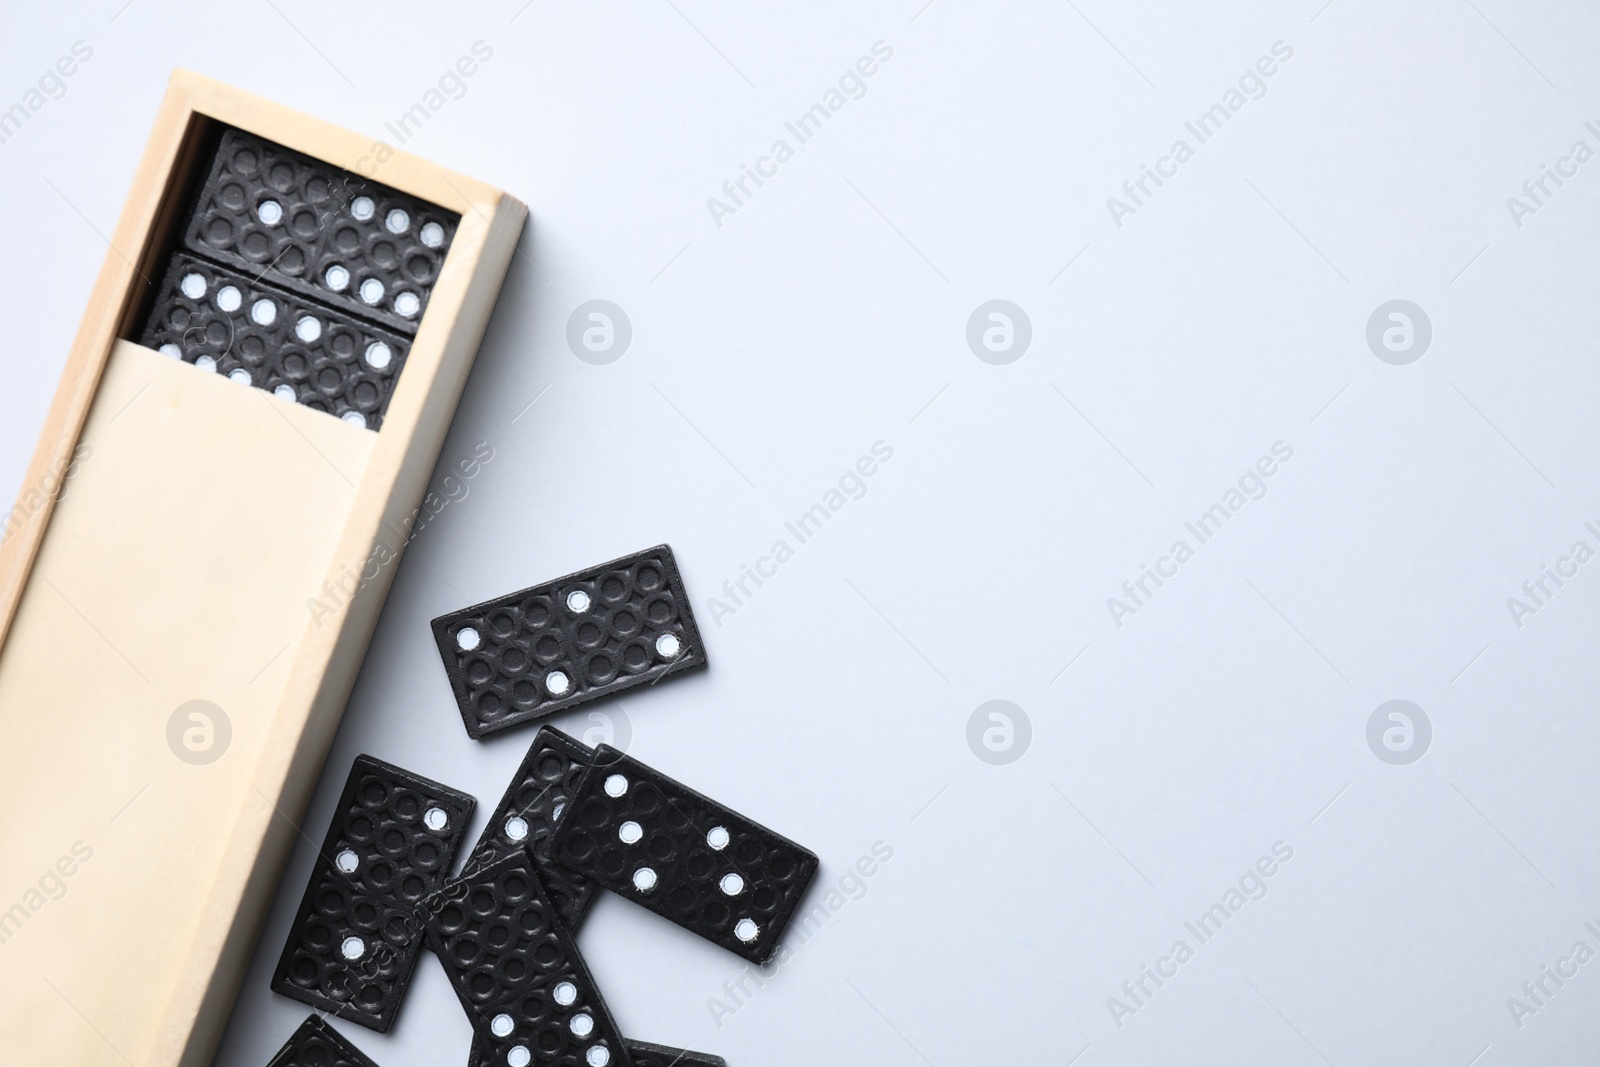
(536, 798)
(317, 1044)
(221, 320)
(644, 1055)
(326, 233)
(551, 648)
(355, 938)
(518, 973)
(704, 866)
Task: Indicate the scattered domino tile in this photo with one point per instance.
(709, 869)
(647, 1055)
(323, 232)
(536, 798)
(643, 1053)
(555, 646)
(517, 972)
(354, 942)
(316, 1044)
(257, 334)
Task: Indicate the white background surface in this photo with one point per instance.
(829, 313)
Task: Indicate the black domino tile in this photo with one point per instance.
(648, 1055)
(677, 842)
(518, 974)
(317, 1044)
(381, 829)
(222, 320)
(508, 658)
(326, 219)
(644, 1055)
(537, 796)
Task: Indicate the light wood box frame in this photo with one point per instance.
(167, 1004)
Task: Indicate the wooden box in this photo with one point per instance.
(182, 539)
